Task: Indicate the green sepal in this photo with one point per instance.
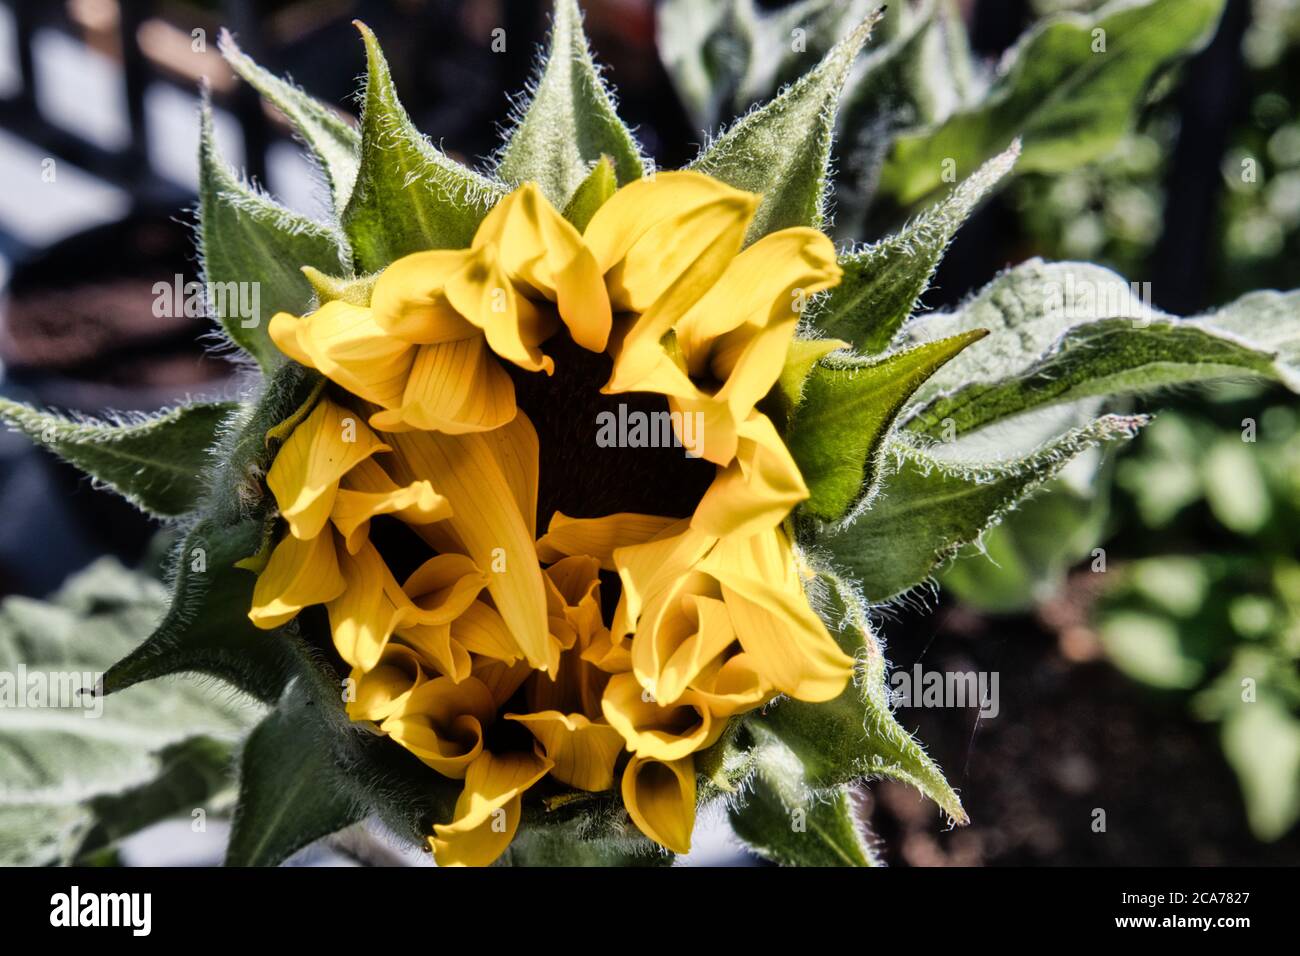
(782, 150)
(883, 281)
(846, 414)
(591, 194)
(251, 242)
(159, 463)
(409, 196)
(354, 290)
(571, 121)
(333, 142)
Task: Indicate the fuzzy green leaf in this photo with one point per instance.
(781, 820)
(883, 281)
(290, 788)
(855, 735)
(249, 242)
(847, 411)
(1068, 332)
(62, 768)
(332, 141)
(1070, 102)
(571, 121)
(158, 463)
(551, 844)
(782, 150)
(929, 507)
(409, 196)
(592, 193)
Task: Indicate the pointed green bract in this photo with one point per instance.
(290, 793)
(781, 820)
(353, 290)
(335, 145)
(1069, 100)
(409, 196)
(571, 121)
(160, 463)
(64, 768)
(800, 360)
(782, 150)
(845, 415)
(249, 242)
(591, 194)
(928, 508)
(883, 281)
(855, 735)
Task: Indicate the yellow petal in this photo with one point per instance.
(785, 640)
(515, 447)
(443, 587)
(487, 523)
(500, 678)
(347, 346)
(646, 569)
(481, 630)
(651, 730)
(609, 652)
(583, 752)
(650, 232)
(483, 293)
(487, 811)
(438, 648)
(283, 329)
(660, 798)
(298, 575)
(408, 300)
(383, 690)
(371, 606)
(732, 687)
(441, 722)
(538, 246)
(597, 537)
(305, 474)
(366, 491)
(455, 387)
(756, 491)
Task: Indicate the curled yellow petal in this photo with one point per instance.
(443, 587)
(680, 634)
(441, 722)
(785, 640)
(345, 344)
(453, 387)
(384, 689)
(584, 752)
(487, 811)
(666, 732)
(731, 686)
(756, 491)
(408, 300)
(483, 293)
(367, 492)
(481, 630)
(436, 645)
(305, 474)
(298, 575)
(646, 569)
(515, 447)
(368, 610)
(660, 798)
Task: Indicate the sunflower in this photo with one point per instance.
(608, 651)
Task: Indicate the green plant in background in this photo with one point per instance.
(1221, 626)
(910, 433)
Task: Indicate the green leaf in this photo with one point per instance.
(291, 789)
(409, 196)
(571, 121)
(930, 506)
(781, 820)
(1069, 104)
(782, 150)
(550, 844)
(332, 140)
(1262, 743)
(1066, 311)
(847, 411)
(252, 246)
(591, 194)
(855, 735)
(62, 766)
(159, 463)
(883, 281)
